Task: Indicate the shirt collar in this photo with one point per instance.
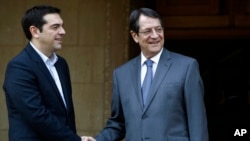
(155, 59)
(47, 60)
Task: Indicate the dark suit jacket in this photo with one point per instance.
(35, 108)
(175, 108)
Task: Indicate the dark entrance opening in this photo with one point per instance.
(224, 67)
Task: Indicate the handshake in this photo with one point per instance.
(87, 138)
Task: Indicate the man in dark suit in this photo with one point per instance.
(173, 109)
(37, 82)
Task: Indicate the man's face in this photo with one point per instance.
(50, 38)
(150, 36)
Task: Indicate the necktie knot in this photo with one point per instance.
(149, 63)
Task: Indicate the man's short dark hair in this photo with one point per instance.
(134, 18)
(35, 16)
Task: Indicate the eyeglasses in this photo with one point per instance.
(147, 32)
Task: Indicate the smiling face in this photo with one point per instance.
(150, 36)
(50, 38)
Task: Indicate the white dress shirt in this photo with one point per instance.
(155, 59)
(50, 62)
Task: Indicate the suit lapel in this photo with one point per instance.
(160, 74)
(42, 67)
(36, 58)
(63, 83)
(136, 79)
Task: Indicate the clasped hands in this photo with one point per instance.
(87, 138)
